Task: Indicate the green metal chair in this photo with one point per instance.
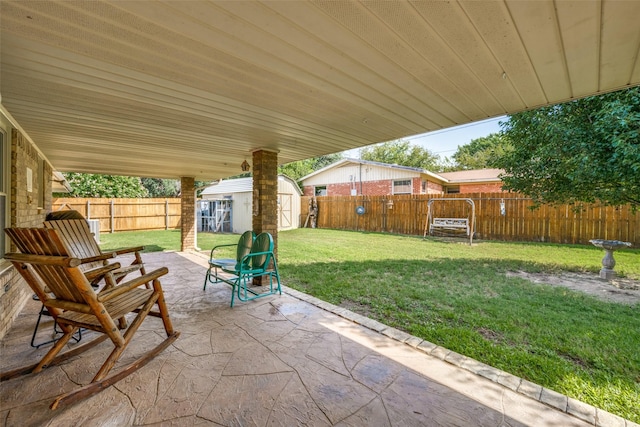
(256, 263)
(243, 248)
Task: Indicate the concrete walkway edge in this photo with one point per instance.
(576, 408)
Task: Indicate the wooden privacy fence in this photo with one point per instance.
(125, 214)
(499, 216)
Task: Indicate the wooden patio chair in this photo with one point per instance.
(77, 235)
(254, 265)
(44, 261)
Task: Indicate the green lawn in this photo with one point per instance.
(459, 297)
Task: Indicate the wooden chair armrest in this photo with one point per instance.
(68, 305)
(131, 284)
(102, 257)
(63, 261)
(100, 271)
(128, 250)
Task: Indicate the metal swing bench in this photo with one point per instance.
(450, 225)
(254, 257)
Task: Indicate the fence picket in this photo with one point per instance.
(126, 214)
(557, 224)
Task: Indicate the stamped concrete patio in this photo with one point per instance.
(287, 360)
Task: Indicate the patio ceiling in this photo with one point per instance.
(171, 89)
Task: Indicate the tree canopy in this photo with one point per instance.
(158, 187)
(300, 168)
(401, 152)
(481, 153)
(96, 185)
(587, 150)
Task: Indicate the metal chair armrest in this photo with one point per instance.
(221, 246)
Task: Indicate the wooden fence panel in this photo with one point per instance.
(402, 214)
(126, 214)
(407, 214)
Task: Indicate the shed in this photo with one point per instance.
(228, 205)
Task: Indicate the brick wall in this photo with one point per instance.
(481, 188)
(14, 293)
(434, 188)
(376, 188)
(188, 208)
(342, 189)
(373, 188)
(385, 187)
(24, 212)
(265, 194)
(416, 185)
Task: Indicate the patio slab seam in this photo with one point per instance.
(566, 404)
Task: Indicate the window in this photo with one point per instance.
(402, 186)
(424, 187)
(321, 190)
(453, 189)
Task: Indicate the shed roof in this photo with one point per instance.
(241, 185)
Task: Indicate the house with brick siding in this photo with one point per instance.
(363, 177)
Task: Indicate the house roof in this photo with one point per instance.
(343, 162)
(170, 89)
(241, 185)
(476, 175)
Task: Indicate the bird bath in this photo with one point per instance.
(608, 262)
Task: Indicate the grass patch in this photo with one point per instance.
(459, 297)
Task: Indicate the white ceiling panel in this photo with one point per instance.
(177, 88)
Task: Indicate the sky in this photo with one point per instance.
(445, 142)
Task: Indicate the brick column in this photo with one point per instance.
(188, 213)
(265, 194)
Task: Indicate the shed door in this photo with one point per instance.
(284, 205)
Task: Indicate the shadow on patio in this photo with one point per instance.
(281, 360)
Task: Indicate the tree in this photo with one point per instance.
(481, 153)
(585, 150)
(401, 152)
(300, 168)
(158, 187)
(95, 185)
